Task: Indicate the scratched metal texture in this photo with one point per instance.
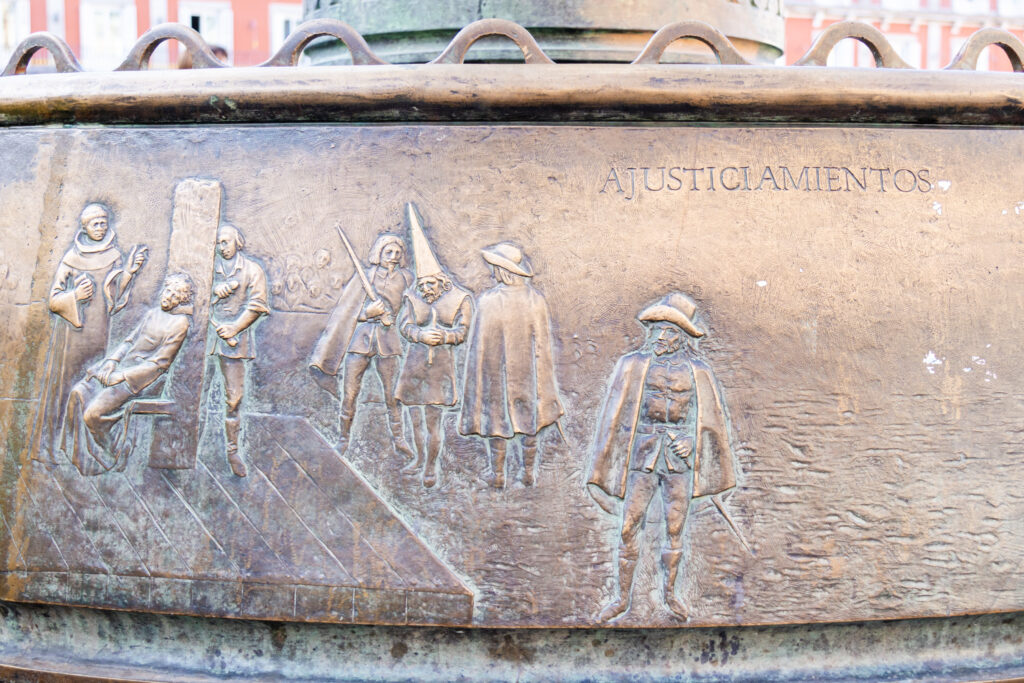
(40, 643)
(866, 342)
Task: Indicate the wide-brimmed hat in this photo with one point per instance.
(508, 256)
(675, 308)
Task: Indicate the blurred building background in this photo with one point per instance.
(926, 33)
(101, 32)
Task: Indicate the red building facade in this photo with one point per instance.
(926, 33)
(102, 31)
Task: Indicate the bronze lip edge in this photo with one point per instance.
(551, 93)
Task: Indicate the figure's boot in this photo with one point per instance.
(397, 433)
(345, 423)
(529, 458)
(497, 447)
(232, 426)
(670, 559)
(627, 566)
(433, 445)
(430, 469)
(418, 440)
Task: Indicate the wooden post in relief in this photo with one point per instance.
(194, 222)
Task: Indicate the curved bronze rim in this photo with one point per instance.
(448, 90)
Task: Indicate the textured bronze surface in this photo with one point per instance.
(507, 374)
(816, 352)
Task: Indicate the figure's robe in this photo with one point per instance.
(510, 386)
(714, 469)
(79, 331)
(428, 374)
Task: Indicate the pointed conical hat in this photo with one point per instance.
(425, 263)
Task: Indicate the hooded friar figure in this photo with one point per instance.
(511, 389)
(93, 283)
(436, 316)
(662, 427)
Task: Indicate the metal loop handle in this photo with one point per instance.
(63, 57)
(198, 49)
(308, 31)
(456, 51)
(967, 57)
(884, 54)
(698, 30)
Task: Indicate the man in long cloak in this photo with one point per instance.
(93, 283)
(96, 429)
(435, 319)
(662, 428)
(510, 387)
(360, 332)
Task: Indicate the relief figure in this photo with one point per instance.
(361, 331)
(96, 430)
(510, 387)
(239, 300)
(93, 283)
(435, 318)
(301, 285)
(662, 430)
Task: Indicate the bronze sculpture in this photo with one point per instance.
(817, 309)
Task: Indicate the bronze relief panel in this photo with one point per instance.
(513, 375)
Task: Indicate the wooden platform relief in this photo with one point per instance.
(458, 375)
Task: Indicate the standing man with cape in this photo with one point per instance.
(510, 386)
(662, 428)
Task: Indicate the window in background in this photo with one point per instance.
(1011, 8)
(55, 17)
(850, 52)
(284, 17)
(161, 57)
(908, 47)
(15, 25)
(972, 7)
(902, 5)
(108, 31)
(214, 20)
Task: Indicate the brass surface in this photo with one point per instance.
(447, 91)
(840, 353)
(514, 374)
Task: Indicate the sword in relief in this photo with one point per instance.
(388, 318)
(720, 504)
(732, 525)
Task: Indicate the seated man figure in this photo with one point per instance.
(97, 404)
